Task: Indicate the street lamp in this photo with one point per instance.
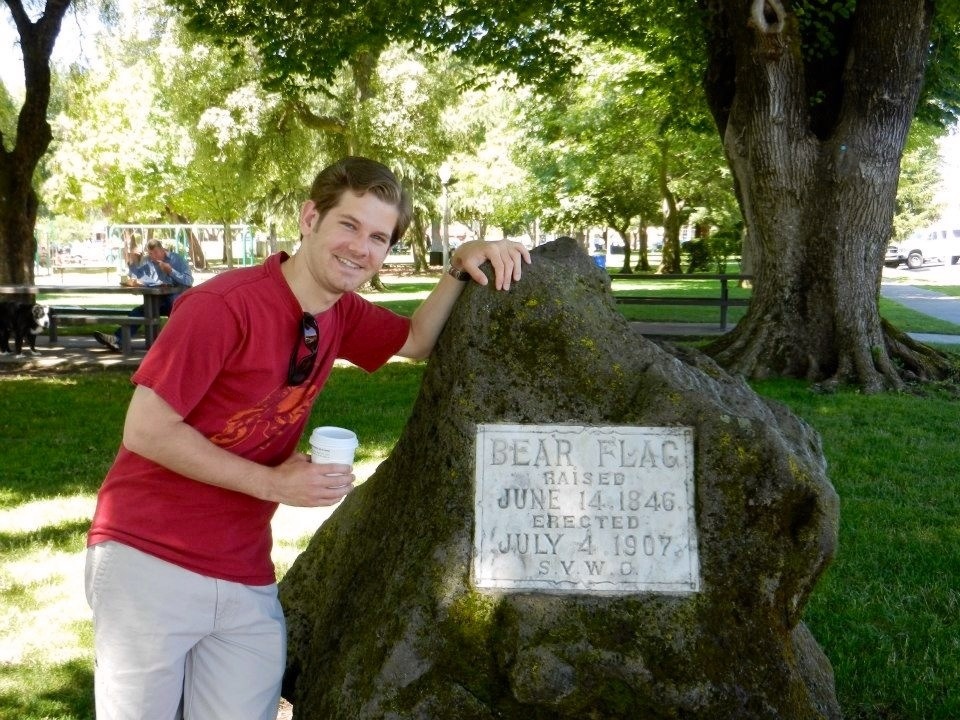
(444, 173)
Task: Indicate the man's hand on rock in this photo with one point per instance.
(506, 257)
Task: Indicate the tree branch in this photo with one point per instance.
(36, 44)
(20, 17)
(325, 123)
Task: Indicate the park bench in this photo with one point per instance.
(724, 301)
(75, 315)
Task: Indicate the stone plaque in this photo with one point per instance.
(600, 510)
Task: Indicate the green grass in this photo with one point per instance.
(887, 612)
(63, 431)
(375, 406)
(644, 285)
(912, 321)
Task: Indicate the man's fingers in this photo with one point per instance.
(503, 278)
(505, 257)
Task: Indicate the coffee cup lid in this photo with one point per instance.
(336, 436)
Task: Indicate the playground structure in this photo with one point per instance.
(194, 240)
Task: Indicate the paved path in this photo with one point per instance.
(928, 302)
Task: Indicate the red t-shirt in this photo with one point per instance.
(221, 362)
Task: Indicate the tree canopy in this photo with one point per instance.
(812, 101)
(169, 127)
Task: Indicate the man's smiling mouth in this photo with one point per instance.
(349, 263)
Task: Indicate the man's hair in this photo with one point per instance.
(361, 175)
(154, 244)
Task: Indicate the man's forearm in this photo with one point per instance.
(154, 431)
(183, 276)
(428, 320)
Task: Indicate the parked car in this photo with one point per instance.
(933, 244)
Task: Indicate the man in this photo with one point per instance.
(161, 268)
(179, 576)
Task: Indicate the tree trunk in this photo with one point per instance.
(818, 205)
(227, 244)
(197, 257)
(670, 257)
(18, 217)
(533, 230)
(417, 240)
(195, 249)
(624, 232)
(643, 260)
(18, 200)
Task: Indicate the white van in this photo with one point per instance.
(938, 243)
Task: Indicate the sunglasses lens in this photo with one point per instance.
(301, 372)
(300, 368)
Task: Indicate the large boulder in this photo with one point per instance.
(384, 620)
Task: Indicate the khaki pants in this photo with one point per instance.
(170, 643)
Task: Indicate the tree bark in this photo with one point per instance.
(818, 194)
(197, 256)
(643, 260)
(670, 257)
(417, 240)
(18, 199)
(623, 230)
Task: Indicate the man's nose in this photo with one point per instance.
(359, 246)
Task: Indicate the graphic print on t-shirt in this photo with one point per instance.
(277, 415)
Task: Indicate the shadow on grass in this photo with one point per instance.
(401, 307)
(62, 429)
(410, 286)
(61, 691)
(65, 536)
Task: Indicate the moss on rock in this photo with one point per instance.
(384, 621)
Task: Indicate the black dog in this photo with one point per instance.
(22, 321)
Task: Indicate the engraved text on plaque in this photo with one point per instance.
(564, 508)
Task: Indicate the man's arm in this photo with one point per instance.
(507, 259)
(144, 274)
(154, 430)
(178, 268)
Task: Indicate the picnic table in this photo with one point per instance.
(151, 300)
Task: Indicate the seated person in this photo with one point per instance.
(160, 267)
(140, 271)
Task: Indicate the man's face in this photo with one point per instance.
(348, 245)
(157, 254)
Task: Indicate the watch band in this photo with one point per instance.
(458, 274)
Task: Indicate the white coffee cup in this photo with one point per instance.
(333, 445)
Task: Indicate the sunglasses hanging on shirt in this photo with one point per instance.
(301, 367)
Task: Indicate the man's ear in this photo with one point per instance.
(308, 217)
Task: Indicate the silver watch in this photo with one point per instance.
(458, 274)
